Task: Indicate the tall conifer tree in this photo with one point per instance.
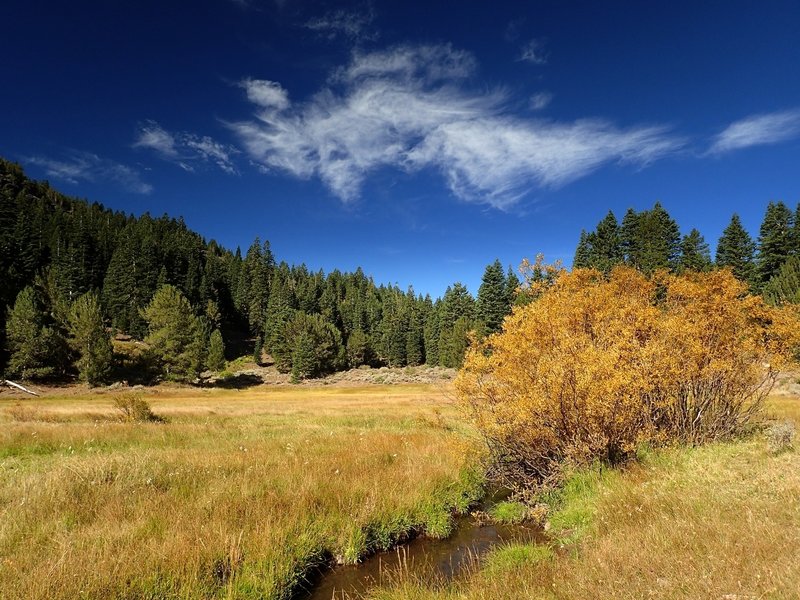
(695, 255)
(89, 339)
(735, 250)
(606, 244)
(492, 304)
(775, 241)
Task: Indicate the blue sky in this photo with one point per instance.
(419, 140)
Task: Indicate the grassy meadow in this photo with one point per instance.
(236, 495)
(719, 521)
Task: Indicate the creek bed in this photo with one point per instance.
(425, 559)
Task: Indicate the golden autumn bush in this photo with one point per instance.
(597, 365)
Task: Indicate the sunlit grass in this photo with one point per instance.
(718, 521)
(235, 496)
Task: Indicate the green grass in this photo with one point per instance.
(509, 513)
(718, 521)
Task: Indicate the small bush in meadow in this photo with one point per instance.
(780, 437)
(135, 409)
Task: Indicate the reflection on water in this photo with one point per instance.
(421, 558)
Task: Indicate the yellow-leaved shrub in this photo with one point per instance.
(596, 365)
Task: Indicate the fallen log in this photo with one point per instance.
(10, 383)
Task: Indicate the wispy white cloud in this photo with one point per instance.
(533, 51)
(186, 149)
(410, 107)
(541, 100)
(758, 130)
(153, 136)
(266, 94)
(354, 25)
(78, 166)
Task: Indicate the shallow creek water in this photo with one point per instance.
(421, 558)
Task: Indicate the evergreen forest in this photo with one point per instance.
(76, 274)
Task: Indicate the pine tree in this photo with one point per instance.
(173, 331)
(454, 342)
(304, 361)
(415, 342)
(512, 287)
(784, 287)
(324, 339)
(258, 350)
(216, 351)
(89, 339)
(735, 249)
(695, 255)
(651, 239)
(492, 304)
(775, 241)
(432, 331)
(796, 231)
(630, 237)
(606, 244)
(456, 303)
(583, 253)
(358, 349)
(200, 345)
(36, 348)
(258, 267)
(279, 310)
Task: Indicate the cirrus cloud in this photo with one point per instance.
(758, 130)
(76, 166)
(186, 149)
(410, 107)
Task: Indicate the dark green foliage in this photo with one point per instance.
(456, 319)
(312, 341)
(258, 350)
(304, 361)
(280, 309)
(454, 341)
(512, 287)
(651, 239)
(735, 250)
(67, 247)
(492, 304)
(216, 352)
(36, 347)
(174, 334)
(415, 339)
(258, 267)
(695, 255)
(89, 340)
(200, 346)
(776, 241)
(431, 332)
(784, 287)
(605, 244)
(358, 350)
(583, 253)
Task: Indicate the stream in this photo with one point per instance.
(422, 558)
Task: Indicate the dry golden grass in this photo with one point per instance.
(233, 497)
(720, 521)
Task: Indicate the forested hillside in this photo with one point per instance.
(60, 248)
(141, 276)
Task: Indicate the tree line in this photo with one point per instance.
(76, 272)
(650, 240)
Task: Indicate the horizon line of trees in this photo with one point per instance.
(651, 240)
(75, 273)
